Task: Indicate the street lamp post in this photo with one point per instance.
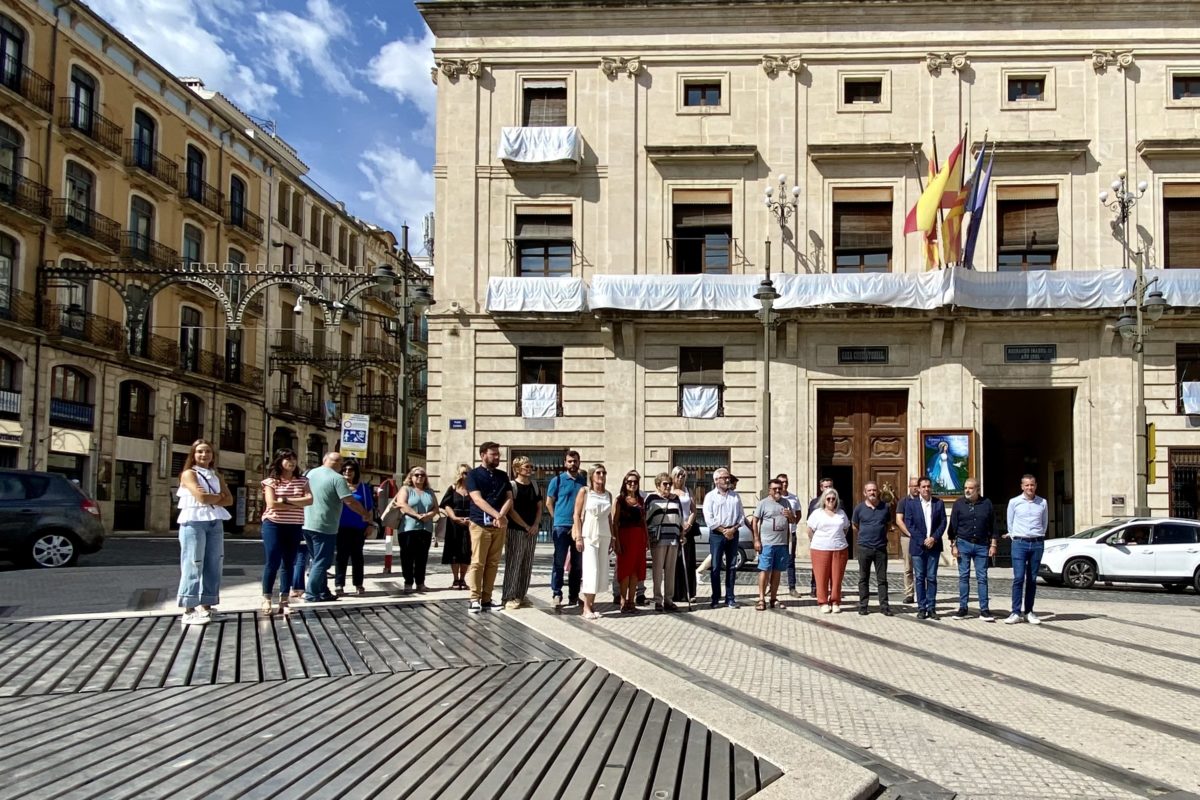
(766, 295)
(1132, 325)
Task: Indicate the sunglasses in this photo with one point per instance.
(632, 480)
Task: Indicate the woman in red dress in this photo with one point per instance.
(631, 541)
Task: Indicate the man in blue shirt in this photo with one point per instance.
(1028, 519)
(491, 500)
(321, 518)
(870, 519)
(560, 502)
(925, 520)
(973, 540)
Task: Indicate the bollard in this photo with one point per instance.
(387, 552)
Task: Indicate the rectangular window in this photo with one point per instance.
(539, 381)
(862, 91)
(700, 466)
(1026, 89)
(1185, 86)
(862, 230)
(314, 226)
(702, 93)
(1027, 229)
(289, 256)
(1181, 225)
(701, 231)
(701, 382)
(1187, 378)
(1184, 479)
(544, 103)
(285, 202)
(543, 242)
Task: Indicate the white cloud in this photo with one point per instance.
(376, 22)
(402, 67)
(293, 41)
(400, 190)
(170, 31)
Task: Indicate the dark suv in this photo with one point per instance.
(46, 520)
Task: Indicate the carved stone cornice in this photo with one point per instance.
(773, 65)
(936, 62)
(612, 66)
(453, 67)
(1103, 59)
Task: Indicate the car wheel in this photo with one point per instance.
(739, 559)
(1079, 573)
(1175, 588)
(1196, 581)
(53, 549)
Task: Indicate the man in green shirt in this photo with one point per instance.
(329, 492)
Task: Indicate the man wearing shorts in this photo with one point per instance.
(770, 523)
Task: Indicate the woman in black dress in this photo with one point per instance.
(456, 502)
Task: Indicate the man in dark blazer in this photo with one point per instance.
(925, 519)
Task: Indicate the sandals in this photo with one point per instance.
(760, 606)
(775, 603)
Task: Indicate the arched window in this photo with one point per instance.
(195, 173)
(193, 245)
(9, 251)
(144, 136)
(141, 228)
(12, 52)
(191, 324)
(235, 285)
(189, 425)
(237, 201)
(283, 439)
(12, 143)
(135, 415)
(233, 428)
(10, 386)
(81, 194)
(70, 393)
(83, 100)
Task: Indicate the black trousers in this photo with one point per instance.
(685, 571)
(349, 551)
(868, 556)
(414, 555)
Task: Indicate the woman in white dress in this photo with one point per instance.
(941, 473)
(593, 536)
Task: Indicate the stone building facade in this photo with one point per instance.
(601, 168)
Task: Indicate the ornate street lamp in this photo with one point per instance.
(781, 209)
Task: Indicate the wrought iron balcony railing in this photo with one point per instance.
(379, 406)
(234, 440)
(17, 77)
(136, 424)
(17, 306)
(10, 404)
(79, 219)
(82, 118)
(203, 194)
(19, 192)
(70, 414)
(142, 155)
(72, 322)
(142, 249)
(244, 219)
(186, 431)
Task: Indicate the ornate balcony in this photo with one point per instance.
(233, 440)
(296, 402)
(90, 125)
(142, 249)
(30, 197)
(202, 362)
(244, 222)
(17, 306)
(86, 225)
(385, 349)
(290, 343)
(136, 425)
(378, 406)
(33, 89)
(10, 404)
(203, 195)
(143, 160)
(186, 431)
(72, 322)
(69, 414)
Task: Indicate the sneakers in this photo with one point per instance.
(361, 591)
(986, 616)
(731, 603)
(487, 605)
(512, 605)
(641, 600)
(1032, 619)
(961, 614)
(932, 614)
(922, 614)
(193, 618)
(887, 612)
(826, 609)
(558, 601)
(862, 612)
(837, 609)
(1013, 619)
(475, 607)
(793, 593)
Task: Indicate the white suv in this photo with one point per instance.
(1163, 550)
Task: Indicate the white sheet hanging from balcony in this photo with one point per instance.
(701, 402)
(1191, 397)
(924, 290)
(540, 145)
(536, 295)
(674, 292)
(539, 400)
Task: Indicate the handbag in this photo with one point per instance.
(392, 516)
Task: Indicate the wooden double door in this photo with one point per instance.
(863, 436)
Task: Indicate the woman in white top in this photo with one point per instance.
(685, 565)
(593, 536)
(827, 526)
(203, 496)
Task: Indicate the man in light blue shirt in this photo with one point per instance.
(723, 513)
(1028, 519)
(329, 492)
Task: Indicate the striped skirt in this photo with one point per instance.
(518, 563)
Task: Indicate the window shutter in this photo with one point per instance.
(545, 103)
(1181, 228)
(862, 225)
(1025, 224)
(543, 226)
(703, 216)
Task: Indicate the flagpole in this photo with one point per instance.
(937, 250)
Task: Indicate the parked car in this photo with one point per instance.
(46, 520)
(745, 558)
(1162, 550)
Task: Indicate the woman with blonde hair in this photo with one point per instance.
(685, 569)
(419, 508)
(593, 536)
(524, 519)
(456, 505)
(827, 526)
(203, 496)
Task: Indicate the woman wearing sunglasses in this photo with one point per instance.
(631, 542)
(827, 526)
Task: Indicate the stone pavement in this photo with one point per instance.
(1101, 701)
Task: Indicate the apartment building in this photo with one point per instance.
(608, 204)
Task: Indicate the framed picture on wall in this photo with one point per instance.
(948, 459)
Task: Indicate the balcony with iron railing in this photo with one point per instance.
(202, 362)
(136, 424)
(712, 254)
(203, 195)
(296, 402)
(234, 440)
(381, 348)
(141, 249)
(378, 406)
(72, 414)
(17, 191)
(93, 127)
(244, 221)
(31, 87)
(289, 342)
(72, 322)
(143, 159)
(86, 224)
(17, 306)
(10, 404)
(186, 431)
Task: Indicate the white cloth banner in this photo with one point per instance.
(922, 290)
(540, 145)
(539, 400)
(675, 292)
(1191, 397)
(701, 402)
(529, 295)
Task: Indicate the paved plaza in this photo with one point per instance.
(392, 695)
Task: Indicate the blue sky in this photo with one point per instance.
(346, 81)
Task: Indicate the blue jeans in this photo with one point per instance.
(280, 542)
(201, 556)
(1026, 560)
(303, 548)
(925, 567)
(968, 553)
(720, 547)
(564, 548)
(323, 546)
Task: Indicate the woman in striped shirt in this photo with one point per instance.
(286, 494)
